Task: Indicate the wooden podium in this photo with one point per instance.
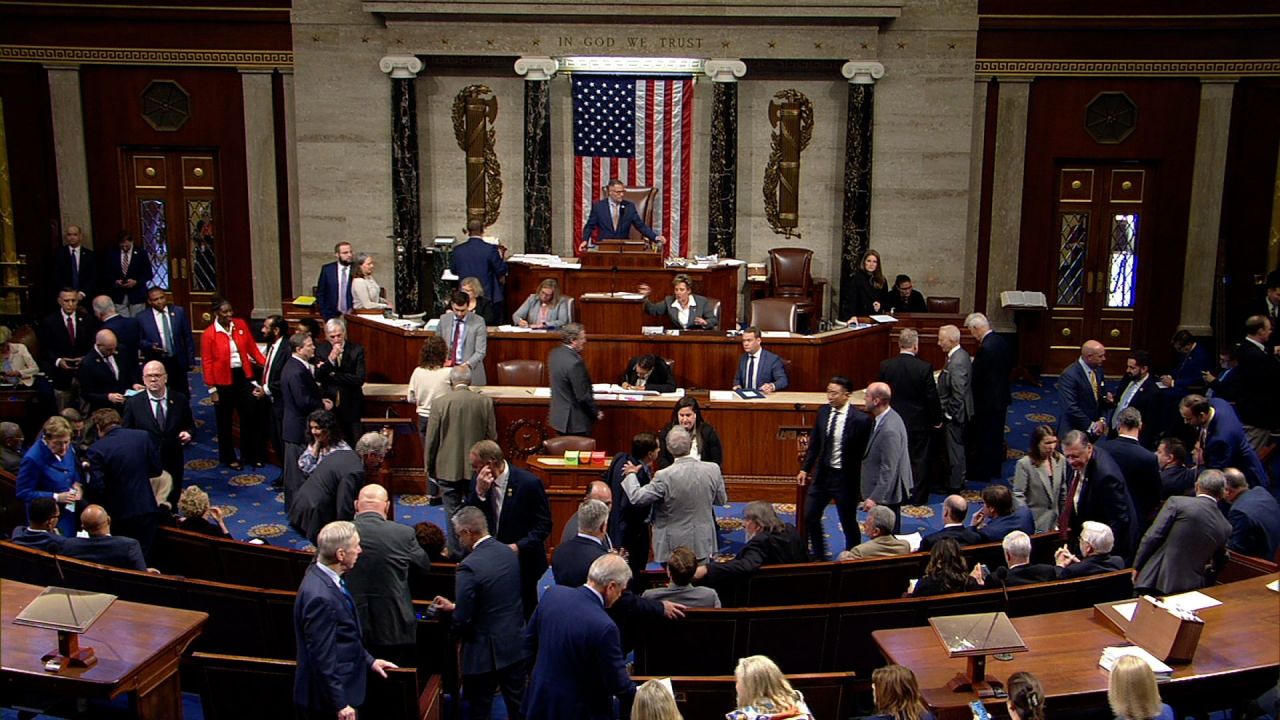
(623, 253)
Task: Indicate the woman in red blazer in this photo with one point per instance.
(228, 376)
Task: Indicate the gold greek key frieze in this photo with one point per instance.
(146, 56)
(1127, 67)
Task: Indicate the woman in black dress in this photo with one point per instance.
(706, 443)
(870, 289)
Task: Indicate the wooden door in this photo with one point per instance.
(1100, 247)
(171, 206)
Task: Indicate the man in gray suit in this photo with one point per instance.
(465, 336)
(1186, 543)
(685, 493)
(886, 466)
(459, 419)
(379, 583)
(573, 408)
(956, 396)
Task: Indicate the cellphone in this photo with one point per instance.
(979, 710)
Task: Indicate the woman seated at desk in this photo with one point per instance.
(482, 306)
(706, 443)
(544, 309)
(685, 310)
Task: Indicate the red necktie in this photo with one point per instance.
(124, 263)
(1068, 507)
(457, 341)
(71, 329)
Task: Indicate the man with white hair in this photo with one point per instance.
(956, 398)
(915, 398)
(878, 527)
(340, 370)
(992, 396)
(1096, 542)
(886, 465)
(128, 333)
(1187, 542)
(684, 494)
(1017, 558)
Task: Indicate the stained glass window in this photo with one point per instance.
(204, 254)
(1073, 238)
(1122, 270)
(155, 240)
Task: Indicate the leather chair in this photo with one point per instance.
(791, 277)
(523, 373)
(774, 314)
(557, 445)
(642, 197)
(942, 304)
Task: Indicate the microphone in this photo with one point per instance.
(1002, 574)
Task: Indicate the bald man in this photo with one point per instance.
(101, 546)
(886, 466)
(379, 583)
(105, 377)
(1082, 393)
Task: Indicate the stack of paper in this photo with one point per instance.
(1112, 654)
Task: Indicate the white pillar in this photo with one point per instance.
(1006, 196)
(68, 148)
(260, 161)
(1206, 203)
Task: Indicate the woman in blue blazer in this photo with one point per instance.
(50, 468)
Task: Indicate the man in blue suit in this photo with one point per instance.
(332, 662)
(579, 667)
(333, 288)
(515, 506)
(614, 217)
(74, 266)
(165, 335)
(121, 465)
(477, 258)
(992, 395)
(1254, 517)
(1097, 492)
(999, 517)
(487, 617)
(758, 369)
(832, 465)
(101, 546)
(125, 273)
(1222, 443)
(1081, 389)
(1189, 375)
(301, 397)
(126, 331)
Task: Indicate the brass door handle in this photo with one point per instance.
(1115, 332)
(206, 317)
(1066, 332)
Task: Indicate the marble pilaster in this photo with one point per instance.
(68, 148)
(1205, 214)
(537, 72)
(294, 271)
(1006, 197)
(855, 235)
(722, 177)
(968, 293)
(406, 220)
(264, 218)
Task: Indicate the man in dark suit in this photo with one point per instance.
(905, 298)
(999, 516)
(41, 530)
(1097, 492)
(572, 558)
(488, 618)
(74, 266)
(267, 392)
(683, 309)
(832, 465)
(379, 584)
(121, 465)
(66, 336)
(101, 546)
(165, 415)
(954, 511)
(596, 490)
(1019, 570)
(1222, 442)
(128, 335)
(1254, 517)
(125, 273)
(629, 524)
(1188, 376)
(165, 335)
(955, 395)
(332, 663)
(1187, 543)
(992, 395)
(915, 397)
(476, 258)
(573, 407)
(758, 369)
(1096, 542)
(516, 507)
(1140, 391)
(648, 372)
(769, 542)
(1081, 393)
(340, 370)
(301, 397)
(104, 378)
(614, 217)
(329, 492)
(580, 667)
(1269, 305)
(1138, 465)
(333, 288)
(1257, 376)
(1176, 478)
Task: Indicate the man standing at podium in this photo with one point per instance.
(614, 218)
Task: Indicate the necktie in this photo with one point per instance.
(457, 341)
(124, 263)
(71, 329)
(1068, 508)
(266, 369)
(343, 279)
(1093, 380)
(346, 593)
(160, 416)
(829, 450)
(613, 210)
(750, 383)
(115, 370)
(168, 333)
(75, 269)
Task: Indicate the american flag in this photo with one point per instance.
(639, 131)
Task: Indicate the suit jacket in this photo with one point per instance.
(269, 377)
(996, 528)
(954, 392)
(1187, 537)
(853, 443)
(763, 548)
(128, 340)
(215, 353)
(139, 414)
(572, 559)
(992, 391)
(121, 552)
(771, 370)
(915, 394)
(1079, 406)
(914, 304)
(1258, 377)
(301, 396)
(1146, 400)
(327, 290)
(121, 465)
(684, 498)
(962, 534)
(1141, 472)
(97, 381)
(558, 314)
(489, 617)
(332, 662)
(475, 342)
(55, 343)
(343, 382)
(41, 474)
(628, 524)
(1177, 480)
(573, 407)
(693, 596)
(1030, 573)
(112, 272)
(659, 380)
(63, 276)
(151, 336)
(1225, 444)
(525, 519)
(579, 667)
(328, 494)
(1104, 497)
(1187, 376)
(40, 540)
(883, 546)
(1041, 492)
(709, 447)
(459, 419)
(886, 466)
(1091, 565)
(379, 582)
(602, 219)
(477, 258)
(865, 295)
(1255, 524)
(702, 308)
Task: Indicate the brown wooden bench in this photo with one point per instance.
(828, 695)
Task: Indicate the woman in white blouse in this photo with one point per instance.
(1038, 478)
(366, 294)
(428, 381)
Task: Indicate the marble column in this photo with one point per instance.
(722, 174)
(68, 148)
(264, 220)
(294, 271)
(968, 294)
(1206, 204)
(1006, 197)
(855, 236)
(537, 72)
(406, 218)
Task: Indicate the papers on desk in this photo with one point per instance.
(1126, 609)
(543, 260)
(775, 334)
(448, 275)
(402, 323)
(884, 319)
(1192, 601)
(433, 324)
(1274, 586)
(1112, 655)
(542, 392)
(722, 395)
(617, 295)
(608, 388)
(913, 540)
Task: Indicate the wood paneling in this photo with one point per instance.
(28, 127)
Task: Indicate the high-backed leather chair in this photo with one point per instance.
(942, 304)
(525, 373)
(557, 445)
(642, 197)
(774, 314)
(790, 273)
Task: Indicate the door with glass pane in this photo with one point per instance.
(171, 207)
(1099, 246)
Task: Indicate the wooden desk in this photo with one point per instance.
(565, 486)
(138, 648)
(1236, 659)
(927, 325)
